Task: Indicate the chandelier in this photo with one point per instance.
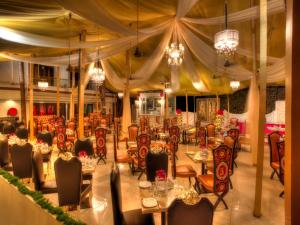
(97, 74)
(43, 85)
(234, 85)
(226, 41)
(120, 94)
(174, 53)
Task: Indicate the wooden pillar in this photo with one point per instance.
(97, 99)
(72, 97)
(58, 91)
(292, 83)
(187, 108)
(81, 87)
(261, 107)
(218, 101)
(166, 105)
(23, 95)
(31, 132)
(228, 108)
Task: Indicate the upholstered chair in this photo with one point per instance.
(273, 138)
(202, 137)
(133, 132)
(166, 125)
(100, 134)
(200, 213)
(281, 157)
(21, 157)
(155, 162)
(235, 134)
(134, 217)
(68, 175)
(46, 137)
(174, 138)
(218, 182)
(46, 187)
(85, 145)
(4, 159)
(22, 132)
(143, 146)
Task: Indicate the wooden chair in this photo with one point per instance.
(211, 133)
(61, 140)
(166, 125)
(201, 213)
(133, 131)
(46, 137)
(155, 162)
(68, 175)
(174, 138)
(83, 145)
(143, 145)
(273, 138)
(4, 156)
(101, 151)
(235, 134)
(21, 157)
(281, 155)
(202, 137)
(134, 217)
(218, 182)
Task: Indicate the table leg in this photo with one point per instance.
(163, 218)
(203, 168)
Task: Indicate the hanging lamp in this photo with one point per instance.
(226, 41)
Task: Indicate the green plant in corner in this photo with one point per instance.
(39, 199)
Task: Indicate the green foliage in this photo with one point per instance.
(39, 199)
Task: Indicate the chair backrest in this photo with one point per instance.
(83, 145)
(273, 138)
(71, 125)
(174, 121)
(174, 133)
(45, 137)
(133, 131)
(222, 158)
(8, 128)
(21, 157)
(201, 213)
(68, 175)
(103, 122)
(60, 132)
(38, 170)
(4, 159)
(22, 132)
(155, 162)
(211, 129)
(234, 133)
(281, 155)
(116, 197)
(100, 134)
(143, 145)
(202, 137)
(230, 142)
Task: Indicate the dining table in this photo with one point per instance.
(203, 156)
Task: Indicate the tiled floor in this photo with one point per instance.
(240, 200)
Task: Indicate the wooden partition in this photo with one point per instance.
(19, 209)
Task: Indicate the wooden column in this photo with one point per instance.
(31, 132)
(187, 108)
(228, 108)
(57, 91)
(81, 87)
(292, 83)
(261, 107)
(166, 105)
(73, 90)
(23, 95)
(97, 99)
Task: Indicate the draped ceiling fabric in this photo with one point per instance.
(41, 32)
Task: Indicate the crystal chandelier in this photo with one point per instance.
(174, 53)
(226, 41)
(234, 85)
(43, 85)
(97, 74)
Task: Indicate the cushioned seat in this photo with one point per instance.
(275, 165)
(123, 158)
(185, 171)
(207, 181)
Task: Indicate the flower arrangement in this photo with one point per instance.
(82, 154)
(219, 119)
(161, 175)
(39, 199)
(178, 111)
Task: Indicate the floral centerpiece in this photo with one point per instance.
(161, 182)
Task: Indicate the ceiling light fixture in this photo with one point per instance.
(43, 85)
(226, 41)
(175, 53)
(234, 85)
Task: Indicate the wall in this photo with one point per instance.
(7, 104)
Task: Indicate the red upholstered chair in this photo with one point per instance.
(273, 138)
(218, 182)
(235, 134)
(101, 151)
(143, 124)
(281, 155)
(72, 134)
(202, 137)
(133, 131)
(211, 133)
(143, 145)
(62, 144)
(174, 138)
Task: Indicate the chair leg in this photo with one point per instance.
(230, 183)
(272, 174)
(197, 186)
(281, 194)
(140, 175)
(234, 163)
(220, 198)
(190, 181)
